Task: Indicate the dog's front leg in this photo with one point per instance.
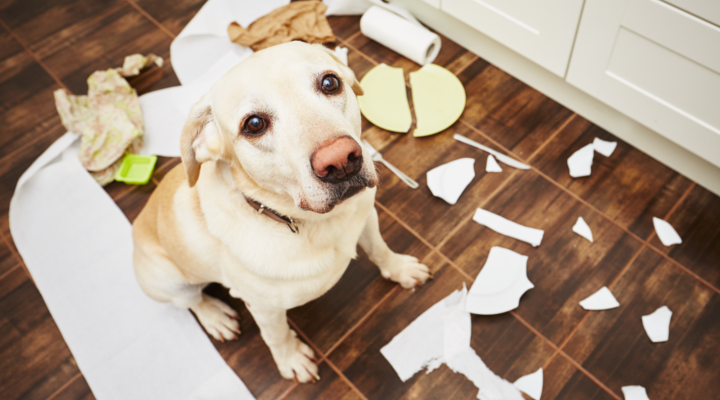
(403, 269)
(293, 357)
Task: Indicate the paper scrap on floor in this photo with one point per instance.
(492, 165)
(299, 20)
(385, 102)
(448, 181)
(667, 234)
(508, 228)
(441, 335)
(634, 393)
(531, 384)
(603, 299)
(604, 147)
(582, 229)
(657, 324)
(581, 161)
(108, 119)
(500, 284)
(438, 99)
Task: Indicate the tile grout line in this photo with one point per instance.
(361, 321)
(552, 136)
(307, 340)
(577, 365)
(353, 48)
(34, 56)
(469, 63)
(285, 394)
(151, 19)
(10, 271)
(343, 377)
(64, 386)
(353, 36)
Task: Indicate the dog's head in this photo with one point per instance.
(288, 118)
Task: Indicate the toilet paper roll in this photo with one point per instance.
(411, 40)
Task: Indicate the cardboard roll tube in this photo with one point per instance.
(407, 38)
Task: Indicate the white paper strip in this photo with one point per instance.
(666, 232)
(448, 181)
(634, 393)
(603, 299)
(492, 165)
(508, 228)
(582, 229)
(581, 161)
(657, 324)
(442, 335)
(500, 284)
(532, 384)
(603, 147)
(77, 245)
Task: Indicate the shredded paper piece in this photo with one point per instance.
(657, 324)
(603, 299)
(500, 284)
(508, 228)
(581, 161)
(532, 384)
(667, 234)
(492, 165)
(441, 335)
(603, 147)
(582, 229)
(448, 181)
(634, 393)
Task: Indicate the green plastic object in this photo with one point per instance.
(136, 169)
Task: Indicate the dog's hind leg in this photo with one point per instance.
(293, 357)
(403, 269)
(161, 280)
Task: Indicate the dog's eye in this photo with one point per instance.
(330, 84)
(255, 125)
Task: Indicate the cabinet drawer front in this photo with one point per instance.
(708, 10)
(657, 64)
(542, 31)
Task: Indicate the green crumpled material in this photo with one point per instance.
(108, 119)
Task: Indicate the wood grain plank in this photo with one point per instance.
(697, 221)
(330, 387)
(344, 26)
(614, 347)
(430, 216)
(36, 360)
(330, 317)
(629, 186)
(78, 389)
(172, 14)
(565, 268)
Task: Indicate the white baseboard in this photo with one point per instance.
(595, 111)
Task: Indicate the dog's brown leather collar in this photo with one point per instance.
(272, 214)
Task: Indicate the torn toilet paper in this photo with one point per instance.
(582, 229)
(657, 324)
(531, 384)
(508, 228)
(441, 335)
(634, 393)
(581, 161)
(603, 147)
(667, 234)
(500, 284)
(603, 299)
(448, 181)
(492, 165)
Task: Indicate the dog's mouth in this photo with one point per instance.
(341, 191)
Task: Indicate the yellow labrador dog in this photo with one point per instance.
(275, 195)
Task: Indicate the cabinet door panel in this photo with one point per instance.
(657, 64)
(542, 31)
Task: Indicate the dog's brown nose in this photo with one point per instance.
(337, 160)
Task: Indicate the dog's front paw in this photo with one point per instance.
(219, 320)
(298, 364)
(405, 270)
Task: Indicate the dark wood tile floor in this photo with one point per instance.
(46, 45)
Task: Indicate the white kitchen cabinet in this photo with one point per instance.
(656, 63)
(542, 31)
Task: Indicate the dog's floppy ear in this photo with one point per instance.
(346, 72)
(200, 140)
